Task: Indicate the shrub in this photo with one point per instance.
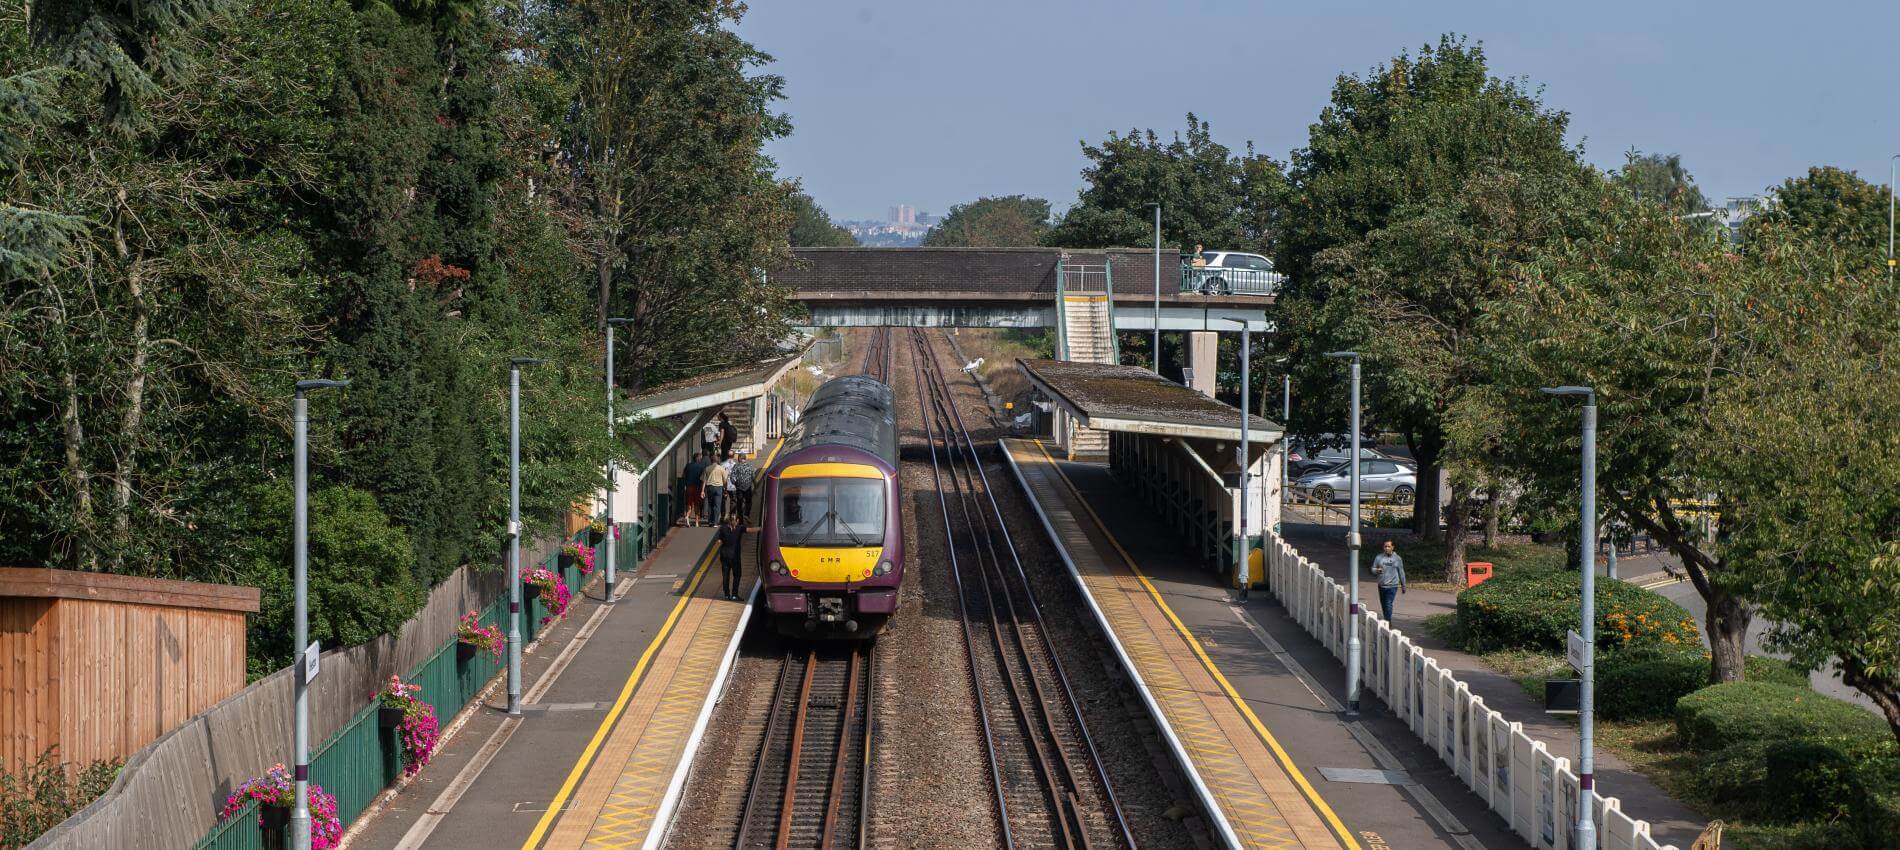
(1828, 778)
(1721, 715)
(40, 795)
(1646, 683)
(1532, 609)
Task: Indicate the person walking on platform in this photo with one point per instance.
(728, 434)
(744, 474)
(731, 537)
(1390, 568)
(695, 472)
(715, 491)
(709, 438)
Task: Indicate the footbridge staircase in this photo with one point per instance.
(1085, 333)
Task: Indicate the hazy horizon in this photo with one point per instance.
(934, 105)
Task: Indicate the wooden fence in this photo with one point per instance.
(169, 794)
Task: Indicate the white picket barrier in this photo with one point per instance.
(1535, 792)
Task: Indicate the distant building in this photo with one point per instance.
(902, 215)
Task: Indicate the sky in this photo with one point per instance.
(937, 103)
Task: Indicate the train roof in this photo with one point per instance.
(854, 411)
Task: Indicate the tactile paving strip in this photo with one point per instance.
(1260, 801)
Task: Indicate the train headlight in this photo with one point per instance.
(778, 568)
(883, 568)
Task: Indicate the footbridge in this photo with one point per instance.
(1007, 288)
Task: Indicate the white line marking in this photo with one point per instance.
(1433, 808)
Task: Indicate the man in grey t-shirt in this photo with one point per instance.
(1390, 568)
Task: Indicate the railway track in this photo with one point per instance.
(877, 356)
(810, 784)
(1047, 778)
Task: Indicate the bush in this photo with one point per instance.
(1828, 778)
(1646, 683)
(1532, 609)
(1719, 716)
(46, 792)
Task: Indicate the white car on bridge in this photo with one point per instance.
(1232, 273)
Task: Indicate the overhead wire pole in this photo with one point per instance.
(1157, 327)
(1587, 554)
(1890, 259)
(1353, 648)
(613, 476)
(514, 531)
(300, 576)
(1246, 379)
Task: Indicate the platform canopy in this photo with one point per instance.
(1134, 400)
(712, 389)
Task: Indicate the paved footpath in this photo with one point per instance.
(1671, 822)
(1288, 682)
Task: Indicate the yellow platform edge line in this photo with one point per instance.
(626, 691)
(1259, 728)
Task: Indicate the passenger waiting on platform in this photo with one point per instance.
(709, 438)
(714, 480)
(732, 492)
(695, 472)
(727, 436)
(731, 539)
(744, 474)
(1390, 568)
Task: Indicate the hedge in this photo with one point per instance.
(1719, 716)
(1645, 683)
(1829, 778)
(1533, 609)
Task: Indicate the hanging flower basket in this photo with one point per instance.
(388, 718)
(552, 590)
(274, 793)
(472, 637)
(415, 722)
(578, 553)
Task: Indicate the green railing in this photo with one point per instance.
(1216, 281)
(362, 758)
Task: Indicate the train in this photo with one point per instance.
(831, 537)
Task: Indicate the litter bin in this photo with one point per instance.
(1476, 572)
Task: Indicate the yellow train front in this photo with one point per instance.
(832, 542)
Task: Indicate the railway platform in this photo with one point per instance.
(1266, 743)
(615, 705)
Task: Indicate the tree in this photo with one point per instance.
(1420, 183)
(812, 226)
(1671, 330)
(1204, 192)
(1005, 221)
(1831, 209)
(1661, 179)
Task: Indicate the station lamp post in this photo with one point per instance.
(514, 530)
(1586, 757)
(613, 477)
(1241, 550)
(1353, 649)
(1890, 259)
(1157, 327)
(300, 570)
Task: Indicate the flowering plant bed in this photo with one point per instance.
(471, 633)
(582, 554)
(553, 591)
(275, 789)
(418, 728)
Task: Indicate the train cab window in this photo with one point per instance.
(831, 512)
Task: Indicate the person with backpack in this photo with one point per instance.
(728, 434)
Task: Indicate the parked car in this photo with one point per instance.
(1378, 477)
(1302, 459)
(1232, 272)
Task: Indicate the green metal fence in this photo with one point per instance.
(362, 758)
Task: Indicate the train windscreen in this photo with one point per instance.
(831, 512)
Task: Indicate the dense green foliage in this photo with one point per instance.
(1723, 715)
(812, 226)
(1661, 180)
(1006, 221)
(1422, 183)
(1534, 609)
(402, 195)
(1833, 210)
(36, 797)
(1208, 195)
(1646, 683)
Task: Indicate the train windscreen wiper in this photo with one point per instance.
(847, 529)
(818, 524)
